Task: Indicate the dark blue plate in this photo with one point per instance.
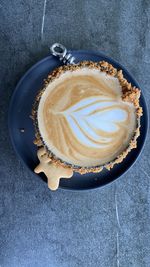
(19, 118)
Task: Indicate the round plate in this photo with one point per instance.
(19, 118)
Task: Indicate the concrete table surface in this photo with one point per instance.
(107, 227)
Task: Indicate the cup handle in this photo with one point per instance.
(60, 51)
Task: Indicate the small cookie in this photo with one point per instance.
(53, 172)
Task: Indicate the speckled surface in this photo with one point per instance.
(105, 227)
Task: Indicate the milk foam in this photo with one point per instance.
(83, 120)
(83, 124)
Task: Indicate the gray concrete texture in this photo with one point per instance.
(107, 227)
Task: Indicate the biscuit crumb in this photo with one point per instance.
(129, 94)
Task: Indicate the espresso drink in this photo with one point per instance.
(83, 120)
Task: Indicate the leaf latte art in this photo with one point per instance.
(83, 120)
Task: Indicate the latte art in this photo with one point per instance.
(83, 120)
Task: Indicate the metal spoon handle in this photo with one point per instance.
(60, 51)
